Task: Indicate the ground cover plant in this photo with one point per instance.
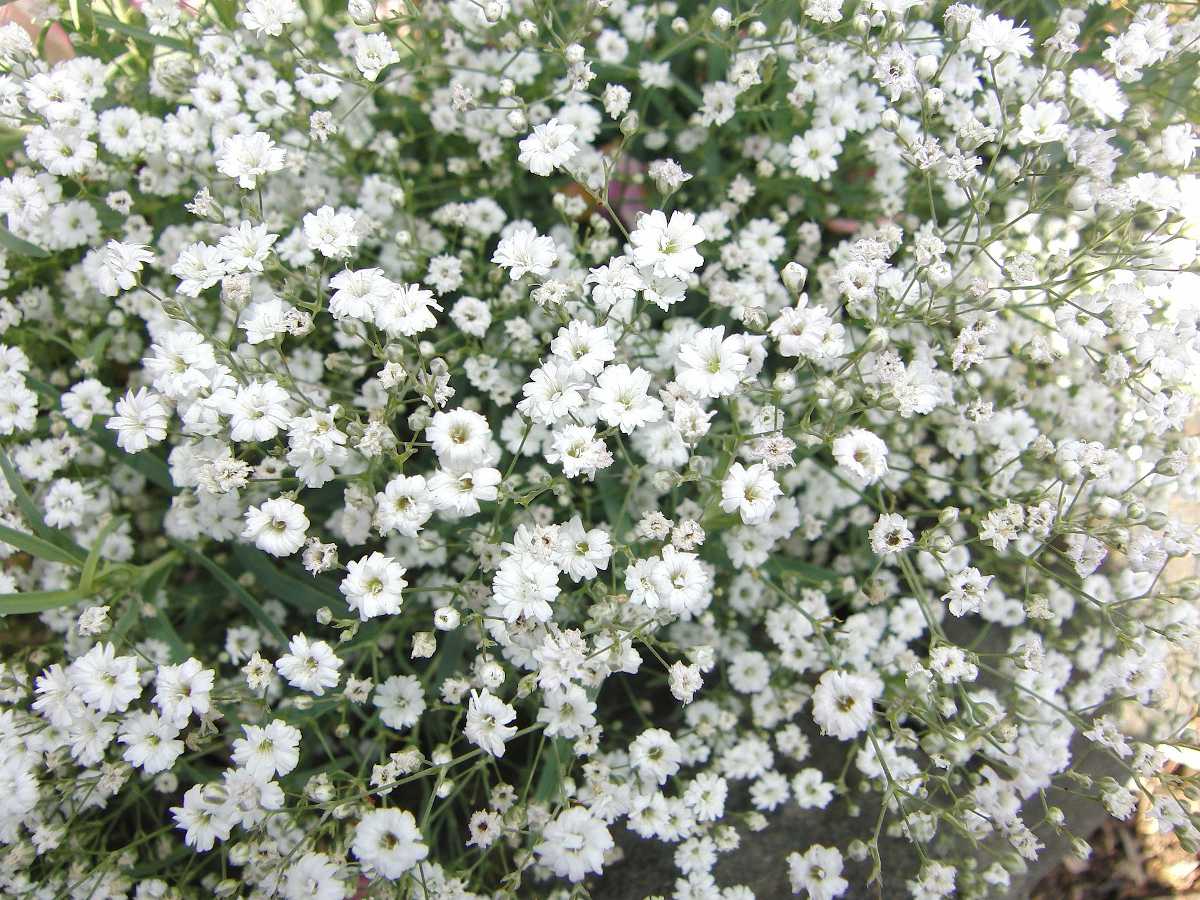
(443, 441)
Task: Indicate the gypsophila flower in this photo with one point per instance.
(574, 843)
(309, 665)
(487, 722)
(277, 526)
(399, 402)
(548, 147)
(388, 842)
(373, 586)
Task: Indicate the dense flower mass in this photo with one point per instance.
(449, 447)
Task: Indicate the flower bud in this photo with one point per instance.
(362, 12)
(784, 382)
(948, 516)
(794, 275)
(629, 123)
(1081, 197)
(722, 18)
(516, 120)
(927, 66)
(679, 25)
(877, 339)
(424, 645)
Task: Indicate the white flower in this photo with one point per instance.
(373, 586)
(106, 682)
(487, 722)
(400, 700)
(621, 398)
(574, 843)
(388, 842)
(459, 493)
(183, 689)
(667, 248)
(523, 251)
(1042, 123)
(890, 535)
(198, 267)
(269, 16)
(861, 453)
(525, 588)
(406, 310)
(548, 147)
(205, 816)
(818, 871)
(373, 53)
(751, 492)
(245, 157)
(86, 400)
(684, 680)
(314, 876)
(331, 233)
(277, 527)
(710, 364)
(654, 755)
(268, 750)
(842, 703)
(119, 267)
(579, 451)
(403, 506)
(461, 438)
(310, 665)
(257, 411)
(152, 742)
(567, 712)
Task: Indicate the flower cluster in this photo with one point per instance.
(448, 444)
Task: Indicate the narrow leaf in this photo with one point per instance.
(306, 596)
(229, 583)
(140, 34)
(19, 246)
(33, 516)
(38, 601)
(87, 581)
(36, 547)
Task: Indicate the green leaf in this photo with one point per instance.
(37, 547)
(147, 464)
(292, 591)
(81, 17)
(33, 517)
(140, 34)
(244, 597)
(550, 778)
(786, 565)
(92, 563)
(39, 601)
(449, 655)
(158, 625)
(14, 244)
(226, 12)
